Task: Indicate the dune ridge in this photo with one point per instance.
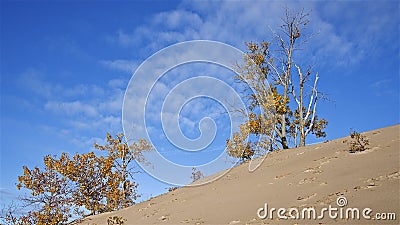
(311, 176)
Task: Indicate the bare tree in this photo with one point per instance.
(305, 119)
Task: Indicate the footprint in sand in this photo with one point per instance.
(147, 207)
(373, 182)
(331, 197)
(303, 198)
(394, 175)
(314, 170)
(151, 203)
(390, 176)
(307, 180)
(327, 160)
(253, 221)
(193, 221)
(376, 132)
(282, 176)
(141, 209)
(368, 150)
(163, 218)
(322, 158)
(365, 187)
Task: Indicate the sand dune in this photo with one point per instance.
(311, 176)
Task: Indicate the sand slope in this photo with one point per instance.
(310, 176)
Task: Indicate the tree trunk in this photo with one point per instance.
(284, 143)
(286, 79)
(300, 108)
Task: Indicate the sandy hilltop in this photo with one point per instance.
(312, 176)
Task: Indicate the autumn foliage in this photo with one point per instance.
(49, 194)
(71, 187)
(281, 97)
(358, 142)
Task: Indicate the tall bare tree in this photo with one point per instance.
(291, 38)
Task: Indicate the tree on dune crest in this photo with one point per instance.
(281, 95)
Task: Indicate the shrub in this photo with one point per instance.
(358, 142)
(116, 220)
(172, 189)
(196, 175)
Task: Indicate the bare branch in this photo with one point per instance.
(314, 102)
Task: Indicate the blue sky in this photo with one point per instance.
(65, 67)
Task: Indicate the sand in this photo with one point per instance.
(311, 176)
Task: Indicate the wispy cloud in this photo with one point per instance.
(122, 65)
(385, 87)
(225, 21)
(72, 108)
(88, 108)
(100, 112)
(360, 33)
(34, 81)
(236, 22)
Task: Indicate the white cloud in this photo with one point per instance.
(328, 47)
(177, 19)
(384, 87)
(92, 109)
(230, 22)
(72, 108)
(32, 80)
(85, 141)
(35, 81)
(106, 124)
(122, 65)
(99, 112)
(342, 42)
(117, 83)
